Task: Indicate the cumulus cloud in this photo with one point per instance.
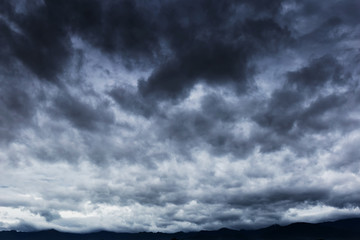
(177, 115)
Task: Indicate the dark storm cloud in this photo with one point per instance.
(217, 108)
(176, 77)
(319, 71)
(210, 126)
(328, 32)
(16, 110)
(314, 117)
(81, 114)
(175, 34)
(17, 104)
(122, 26)
(289, 120)
(177, 115)
(18, 101)
(218, 42)
(282, 111)
(41, 32)
(215, 54)
(302, 107)
(39, 43)
(5, 51)
(344, 10)
(133, 102)
(136, 31)
(290, 197)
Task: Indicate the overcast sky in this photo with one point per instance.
(178, 115)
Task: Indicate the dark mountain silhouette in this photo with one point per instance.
(348, 229)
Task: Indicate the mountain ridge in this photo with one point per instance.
(345, 229)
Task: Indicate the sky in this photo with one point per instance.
(178, 115)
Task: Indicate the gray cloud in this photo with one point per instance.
(82, 115)
(40, 44)
(177, 115)
(17, 109)
(318, 73)
(133, 102)
(48, 215)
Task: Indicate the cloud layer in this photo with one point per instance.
(178, 115)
